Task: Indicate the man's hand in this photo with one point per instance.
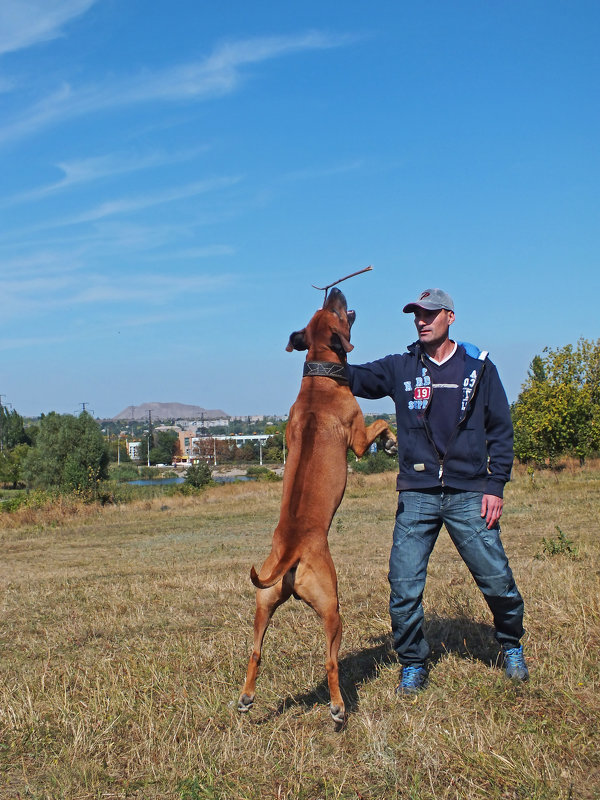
(491, 509)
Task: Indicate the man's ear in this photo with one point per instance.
(297, 341)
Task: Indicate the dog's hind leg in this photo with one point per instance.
(317, 586)
(267, 601)
(333, 634)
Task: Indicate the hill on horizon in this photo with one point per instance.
(162, 411)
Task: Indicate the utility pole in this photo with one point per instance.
(149, 434)
(1, 420)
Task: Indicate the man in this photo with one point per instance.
(455, 453)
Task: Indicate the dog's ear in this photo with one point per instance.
(343, 340)
(297, 341)
(341, 330)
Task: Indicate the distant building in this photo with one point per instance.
(133, 449)
(214, 423)
(186, 443)
(197, 424)
(260, 418)
(192, 449)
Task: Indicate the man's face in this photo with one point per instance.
(432, 326)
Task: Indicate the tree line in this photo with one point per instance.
(72, 454)
(557, 414)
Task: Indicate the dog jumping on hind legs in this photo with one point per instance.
(323, 423)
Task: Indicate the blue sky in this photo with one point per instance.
(175, 176)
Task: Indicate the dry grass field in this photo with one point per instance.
(125, 633)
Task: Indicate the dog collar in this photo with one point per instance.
(326, 369)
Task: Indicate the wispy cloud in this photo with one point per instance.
(33, 261)
(31, 342)
(26, 22)
(127, 205)
(131, 204)
(153, 289)
(74, 256)
(55, 291)
(105, 236)
(217, 75)
(106, 242)
(87, 170)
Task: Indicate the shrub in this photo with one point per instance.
(375, 462)
(13, 503)
(197, 476)
(561, 546)
(124, 472)
(263, 474)
(36, 500)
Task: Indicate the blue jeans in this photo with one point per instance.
(419, 519)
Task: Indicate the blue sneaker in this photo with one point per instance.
(514, 664)
(413, 679)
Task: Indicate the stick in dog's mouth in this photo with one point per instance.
(352, 275)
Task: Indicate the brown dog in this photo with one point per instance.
(323, 423)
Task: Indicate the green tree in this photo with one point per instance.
(247, 452)
(537, 371)
(70, 453)
(273, 450)
(165, 446)
(12, 429)
(198, 475)
(117, 450)
(11, 464)
(558, 410)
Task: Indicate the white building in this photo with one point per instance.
(133, 449)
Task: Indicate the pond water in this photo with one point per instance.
(155, 481)
(171, 481)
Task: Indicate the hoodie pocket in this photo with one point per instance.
(467, 455)
(418, 454)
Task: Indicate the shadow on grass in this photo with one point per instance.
(463, 637)
(355, 669)
(446, 635)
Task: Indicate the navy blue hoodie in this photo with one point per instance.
(479, 455)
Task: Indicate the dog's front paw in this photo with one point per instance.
(391, 447)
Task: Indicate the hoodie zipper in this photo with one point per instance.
(462, 418)
(441, 458)
(425, 423)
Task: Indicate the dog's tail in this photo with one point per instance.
(285, 564)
